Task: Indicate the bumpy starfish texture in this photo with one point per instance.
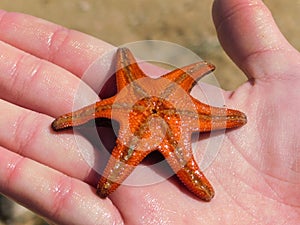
(155, 114)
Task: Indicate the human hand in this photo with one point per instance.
(255, 174)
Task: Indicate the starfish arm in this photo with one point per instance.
(101, 109)
(210, 118)
(182, 162)
(193, 178)
(187, 76)
(176, 148)
(122, 162)
(127, 69)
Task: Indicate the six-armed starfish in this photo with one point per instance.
(155, 114)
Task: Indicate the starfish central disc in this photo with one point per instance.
(151, 114)
(151, 110)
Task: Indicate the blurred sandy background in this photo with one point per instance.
(185, 22)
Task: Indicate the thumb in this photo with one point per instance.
(250, 36)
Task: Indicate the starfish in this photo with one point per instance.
(155, 115)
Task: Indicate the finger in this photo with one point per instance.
(38, 84)
(251, 38)
(29, 134)
(69, 49)
(52, 194)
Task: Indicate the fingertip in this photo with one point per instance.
(224, 9)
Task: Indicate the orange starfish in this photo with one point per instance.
(155, 114)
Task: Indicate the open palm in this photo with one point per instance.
(256, 175)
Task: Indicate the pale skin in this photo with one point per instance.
(256, 174)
